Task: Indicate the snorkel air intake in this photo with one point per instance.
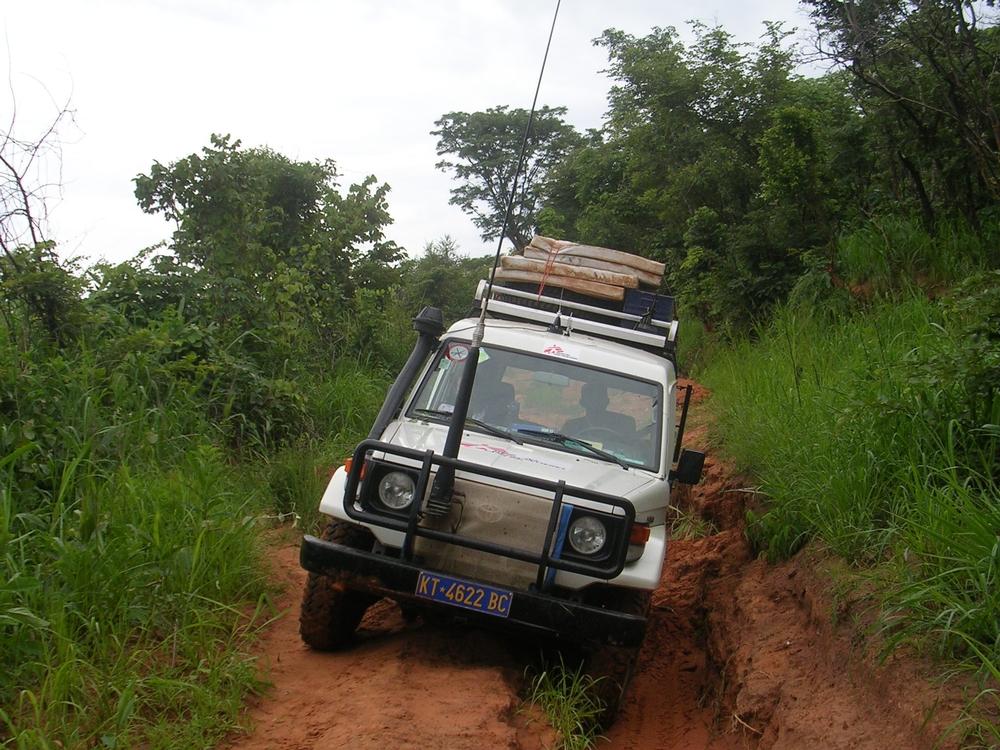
(429, 325)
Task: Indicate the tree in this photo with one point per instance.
(275, 242)
(31, 274)
(926, 76)
(482, 150)
(442, 278)
(589, 197)
(676, 173)
(22, 197)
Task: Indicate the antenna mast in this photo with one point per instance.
(439, 502)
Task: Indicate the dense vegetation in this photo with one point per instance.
(832, 240)
(877, 431)
(158, 415)
(867, 402)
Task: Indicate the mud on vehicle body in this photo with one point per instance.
(556, 524)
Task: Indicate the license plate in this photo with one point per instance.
(459, 593)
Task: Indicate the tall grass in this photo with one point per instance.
(342, 406)
(799, 406)
(117, 612)
(888, 252)
(132, 563)
(873, 433)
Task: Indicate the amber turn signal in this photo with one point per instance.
(639, 534)
(349, 462)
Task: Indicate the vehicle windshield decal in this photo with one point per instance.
(498, 450)
(555, 350)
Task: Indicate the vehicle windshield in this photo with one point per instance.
(556, 402)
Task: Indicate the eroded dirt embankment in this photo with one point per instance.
(740, 654)
(765, 662)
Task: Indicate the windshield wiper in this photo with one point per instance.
(546, 434)
(433, 413)
(492, 429)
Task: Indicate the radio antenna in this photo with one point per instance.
(480, 328)
(439, 502)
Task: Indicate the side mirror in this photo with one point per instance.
(689, 467)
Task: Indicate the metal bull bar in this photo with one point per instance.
(610, 567)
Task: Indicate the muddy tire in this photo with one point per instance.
(330, 613)
(612, 666)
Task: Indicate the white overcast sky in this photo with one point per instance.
(359, 82)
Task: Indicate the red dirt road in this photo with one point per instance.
(400, 687)
(739, 654)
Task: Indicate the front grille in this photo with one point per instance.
(488, 514)
(512, 524)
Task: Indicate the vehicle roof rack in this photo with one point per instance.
(647, 331)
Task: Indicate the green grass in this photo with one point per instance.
(871, 432)
(132, 557)
(695, 345)
(800, 407)
(129, 602)
(688, 525)
(568, 699)
(342, 407)
(890, 252)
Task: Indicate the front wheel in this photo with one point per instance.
(611, 666)
(330, 612)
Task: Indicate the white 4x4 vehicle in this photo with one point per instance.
(557, 519)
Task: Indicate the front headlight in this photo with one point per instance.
(396, 490)
(587, 535)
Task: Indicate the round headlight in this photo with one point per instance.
(396, 490)
(587, 535)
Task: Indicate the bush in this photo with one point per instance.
(950, 388)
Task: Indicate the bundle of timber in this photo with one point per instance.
(592, 271)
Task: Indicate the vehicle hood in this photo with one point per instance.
(532, 460)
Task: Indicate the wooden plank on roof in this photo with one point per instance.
(644, 277)
(590, 288)
(517, 263)
(600, 253)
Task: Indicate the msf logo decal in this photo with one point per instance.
(555, 350)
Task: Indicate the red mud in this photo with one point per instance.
(400, 687)
(739, 654)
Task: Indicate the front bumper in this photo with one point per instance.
(540, 613)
